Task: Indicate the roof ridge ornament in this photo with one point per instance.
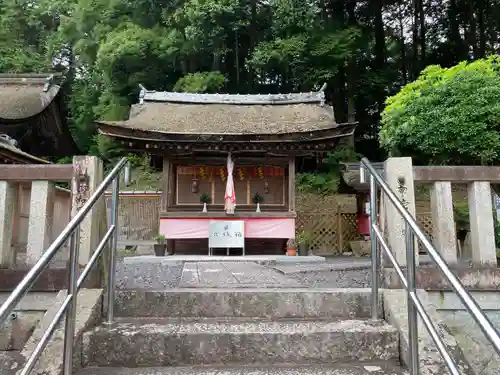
(142, 93)
(6, 139)
(48, 82)
(233, 99)
(322, 95)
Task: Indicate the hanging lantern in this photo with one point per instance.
(261, 173)
(194, 185)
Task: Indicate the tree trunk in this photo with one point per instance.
(472, 31)
(422, 34)
(455, 38)
(481, 51)
(351, 69)
(415, 63)
(404, 70)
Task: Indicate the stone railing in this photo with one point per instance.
(33, 211)
(401, 176)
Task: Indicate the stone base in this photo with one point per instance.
(174, 342)
(50, 280)
(257, 304)
(355, 368)
(430, 278)
(431, 363)
(361, 248)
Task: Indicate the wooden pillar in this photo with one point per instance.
(165, 192)
(291, 184)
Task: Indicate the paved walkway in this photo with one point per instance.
(183, 271)
(233, 275)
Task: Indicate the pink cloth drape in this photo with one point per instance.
(254, 228)
(230, 196)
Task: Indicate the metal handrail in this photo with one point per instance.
(68, 307)
(415, 306)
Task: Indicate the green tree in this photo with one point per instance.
(206, 82)
(447, 116)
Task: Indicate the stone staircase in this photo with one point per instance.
(242, 331)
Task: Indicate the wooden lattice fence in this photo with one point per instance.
(330, 221)
(425, 221)
(138, 216)
(332, 228)
(330, 234)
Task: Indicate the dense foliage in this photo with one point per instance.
(447, 116)
(364, 50)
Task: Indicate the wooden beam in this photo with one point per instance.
(37, 172)
(291, 184)
(262, 161)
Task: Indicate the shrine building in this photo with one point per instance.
(263, 135)
(33, 118)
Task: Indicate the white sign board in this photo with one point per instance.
(226, 234)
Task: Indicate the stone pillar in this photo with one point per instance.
(8, 203)
(41, 215)
(443, 223)
(399, 176)
(481, 224)
(89, 173)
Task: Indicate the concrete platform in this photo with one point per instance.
(151, 272)
(260, 259)
(233, 275)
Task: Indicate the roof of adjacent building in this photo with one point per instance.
(24, 96)
(18, 156)
(172, 113)
(351, 175)
(32, 112)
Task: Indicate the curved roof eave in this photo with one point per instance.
(335, 131)
(54, 92)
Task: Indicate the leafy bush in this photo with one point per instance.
(201, 82)
(318, 183)
(447, 116)
(327, 179)
(461, 214)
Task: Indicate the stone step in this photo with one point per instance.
(178, 342)
(260, 303)
(339, 369)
